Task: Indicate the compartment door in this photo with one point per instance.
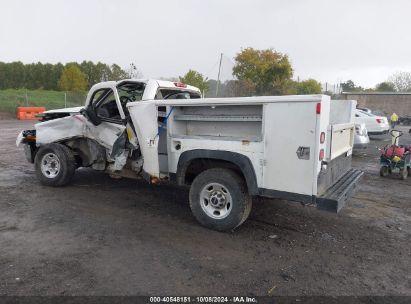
(341, 139)
(290, 147)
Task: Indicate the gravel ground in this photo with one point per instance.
(100, 236)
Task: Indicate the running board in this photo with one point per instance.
(338, 194)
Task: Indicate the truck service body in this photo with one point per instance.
(226, 149)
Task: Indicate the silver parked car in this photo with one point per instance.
(361, 139)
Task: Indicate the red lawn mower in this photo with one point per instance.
(395, 158)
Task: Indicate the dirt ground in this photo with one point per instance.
(100, 236)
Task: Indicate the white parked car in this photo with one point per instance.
(375, 125)
(361, 139)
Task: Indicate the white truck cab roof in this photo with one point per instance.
(151, 87)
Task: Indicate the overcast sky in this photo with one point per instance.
(362, 40)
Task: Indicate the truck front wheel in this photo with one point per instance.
(219, 199)
(55, 165)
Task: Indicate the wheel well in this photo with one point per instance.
(193, 162)
(196, 166)
(85, 151)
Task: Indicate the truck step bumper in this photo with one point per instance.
(338, 194)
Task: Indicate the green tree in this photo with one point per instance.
(268, 71)
(196, 79)
(309, 86)
(72, 79)
(349, 86)
(117, 73)
(56, 74)
(385, 86)
(17, 75)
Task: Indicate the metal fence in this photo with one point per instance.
(10, 99)
(332, 88)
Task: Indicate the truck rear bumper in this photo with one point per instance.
(339, 193)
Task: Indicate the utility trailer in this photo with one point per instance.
(227, 150)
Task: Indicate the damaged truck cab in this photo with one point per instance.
(226, 149)
(100, 135)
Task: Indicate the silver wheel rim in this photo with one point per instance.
(50, 165)
(216, 201)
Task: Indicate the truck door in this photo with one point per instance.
(145, 120)
(107, 107)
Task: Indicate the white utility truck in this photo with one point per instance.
(226, 149)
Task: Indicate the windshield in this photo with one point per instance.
(167, 93)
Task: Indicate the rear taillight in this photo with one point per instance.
(322, 137)
(379, 120)
(318, 108)
(180, 85)
(321, 156)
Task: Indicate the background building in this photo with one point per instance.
(388, 103)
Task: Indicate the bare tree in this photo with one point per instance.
(401, 81)
(133, 72)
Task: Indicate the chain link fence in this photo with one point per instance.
(11, 99)
(331, 88)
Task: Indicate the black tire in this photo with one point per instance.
(240, 205)
(384, 171)
(66, 163)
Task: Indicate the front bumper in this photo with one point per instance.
(28, 138)
(378, 132)
(339, 193)
(360, 146)
(30, 152)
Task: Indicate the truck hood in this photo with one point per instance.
(65, 110)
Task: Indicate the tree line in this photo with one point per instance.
(398, 82)
(72, 76)
(268, 72)
(257, 72)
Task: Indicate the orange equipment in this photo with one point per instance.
(25, 113)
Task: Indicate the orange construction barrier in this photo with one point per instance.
(24, 113)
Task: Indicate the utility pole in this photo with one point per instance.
(218, 79)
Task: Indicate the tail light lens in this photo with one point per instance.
(379, 120)
(322, 137)
(318, 108)
(321, 156)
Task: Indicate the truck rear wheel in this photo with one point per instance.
(55, 165)
(219, 199)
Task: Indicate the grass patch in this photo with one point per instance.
(12, 98)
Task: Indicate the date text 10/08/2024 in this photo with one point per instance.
(176, 299)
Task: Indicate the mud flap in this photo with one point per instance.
(339, 193)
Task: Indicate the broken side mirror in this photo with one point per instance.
(90, 113)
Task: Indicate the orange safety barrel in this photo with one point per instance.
(26, 113)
